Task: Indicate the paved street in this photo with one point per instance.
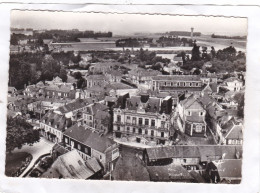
(42, 147)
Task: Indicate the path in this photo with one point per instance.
(36, 150)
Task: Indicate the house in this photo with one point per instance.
(172, 68)
(169, 173)
(224, 171)
(53, 125)
(74, 109)
(189, 156)
(130, 169)
(97, 92)
(89, 114)
(142, 76)
(208, 78)
(233, 84)
(91, 144)
(34, 90)
(102, 68)
(95, 80)
(69, 166)
(144, 119)
(231, 133)
(191, 119)
(114, 76)
(60, 91)
(177, 84)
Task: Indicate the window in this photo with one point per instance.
(201, 113)
(146, 132)
(184, 160)
(178, 84)
(165, 84)
(88, 151)
(66, 140)
(100, 157)
(140, 131)
(128, 117)
(133, 130)
(153, 122)
(190, 84)
(163, 124)
(140, 121)
(162, 134)
(80, 163)
(146, 122)
(72, 144)
(152, 132)
(90, 117)
(118, 118)
(79, 147)
(189, 113)
(118, 128)
(198, 129)
(184, 84)
(134, 120)
(128, 129)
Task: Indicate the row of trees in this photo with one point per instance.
(225, 60)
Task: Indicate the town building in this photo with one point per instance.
(95, 80)
(52, 126)
(60, 91)
(91, 144)
(224, 171)
(114, 76)
(177, 84)
(233, 84)
(74, 109)
(69, 166)
(92, 116)
(144, 119)
(191, 118)
(142, 76)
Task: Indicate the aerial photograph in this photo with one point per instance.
(126, 97)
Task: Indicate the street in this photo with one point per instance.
(36, 150)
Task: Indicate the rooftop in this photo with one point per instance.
(89, 138)
(177, 77)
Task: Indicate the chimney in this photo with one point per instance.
(191, 33)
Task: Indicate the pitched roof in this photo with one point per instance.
(101, 115)
(95, 77)
(177, 77)
(59, 88)
(77, 104)
(235, 132)
(93, 108)
(56, 120)
(202, 151)
(232, 79)
(71, 165)
(169, 173)
(123, 169)
(118, 86)
(93, 164)
(152, 105)
(230, 168)
(144, 72)
(89, 138)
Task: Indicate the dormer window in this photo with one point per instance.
(201, 113)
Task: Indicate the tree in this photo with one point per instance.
(77, 75)
(195, 53)
(19, 133)
(63, 74)
(240, 99)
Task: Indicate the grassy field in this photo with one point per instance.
(14, 161)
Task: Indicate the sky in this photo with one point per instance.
(124, 24)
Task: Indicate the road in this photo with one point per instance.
(36, 150)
